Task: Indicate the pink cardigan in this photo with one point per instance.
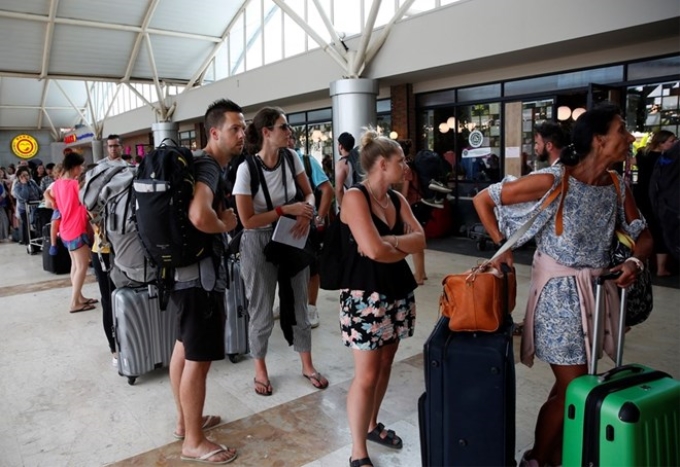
(545, 268)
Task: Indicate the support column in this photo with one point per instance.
(163, 130)
(97, 150)
(354, 103)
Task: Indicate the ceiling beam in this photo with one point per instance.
(375, 47)
(102, 25)
(206, 63)
(49, 35)
(55, 133)
(115, 95)
(366, 31)
(340, 60)
(336, 41)
(68, 98)
(43, 99)
(140, 36)
(159, 90)
(36, 107)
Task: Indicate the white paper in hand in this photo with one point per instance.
(283, 234)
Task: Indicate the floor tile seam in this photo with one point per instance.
(35, 287)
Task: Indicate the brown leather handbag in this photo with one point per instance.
(480, 299)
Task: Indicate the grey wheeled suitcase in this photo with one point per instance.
(145, 334)
(236, 307)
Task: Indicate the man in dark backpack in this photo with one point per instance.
(347, 168)
(323, 194)
(198, 296)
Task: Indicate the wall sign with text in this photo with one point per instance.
(25, 146)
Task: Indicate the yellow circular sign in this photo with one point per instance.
(24, 146)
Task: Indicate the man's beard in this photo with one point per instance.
(542, 156)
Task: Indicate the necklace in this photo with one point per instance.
(387, 201)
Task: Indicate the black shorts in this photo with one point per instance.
(200, 323)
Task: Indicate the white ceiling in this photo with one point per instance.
(51, 46)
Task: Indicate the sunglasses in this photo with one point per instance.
(283, 126)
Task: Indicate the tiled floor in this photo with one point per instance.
(62, 404)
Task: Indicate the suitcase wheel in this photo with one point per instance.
(232, 357)
(131, 380)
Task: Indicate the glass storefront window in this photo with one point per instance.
(188, 139)
(479, 128)
(320, 140)
(533, 114)
(668, 66)
(653, 107)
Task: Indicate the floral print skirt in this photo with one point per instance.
(369, 321)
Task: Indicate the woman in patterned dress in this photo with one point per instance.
(377, 304)
(560, 303)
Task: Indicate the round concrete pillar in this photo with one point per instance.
(97, 150)
(165, 130)
(354, 103)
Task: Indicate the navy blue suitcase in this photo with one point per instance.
(467, 414)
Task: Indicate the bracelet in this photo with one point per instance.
(638, 263)
(501, 242)
(279, 211)
(396, 242)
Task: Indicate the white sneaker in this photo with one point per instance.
(277, 312)
(438, 186)
(313, 316)
(434, 203)
(114, 361)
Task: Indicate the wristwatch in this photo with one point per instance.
(501, 242)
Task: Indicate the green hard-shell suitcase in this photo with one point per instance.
(628, 416)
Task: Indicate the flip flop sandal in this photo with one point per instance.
(316, 380)
(267, 387)
(209, 421)
(366, 461)
(91, 301)
(204, 458)
(391, 440)
(82, 308)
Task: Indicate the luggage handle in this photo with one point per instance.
(598, 322)
(619, 369)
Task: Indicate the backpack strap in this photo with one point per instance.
(308, 170)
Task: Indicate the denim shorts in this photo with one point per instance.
(73, 245)
(56, 214)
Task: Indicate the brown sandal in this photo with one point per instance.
(267, 386)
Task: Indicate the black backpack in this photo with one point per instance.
(664, 195)
(162, 190)
(357, 171)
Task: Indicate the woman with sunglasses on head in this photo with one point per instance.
(573, 239)
(377, 303)
(267, 141)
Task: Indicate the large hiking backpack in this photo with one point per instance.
(106, 194)
(664, 195)
(163, 189)
(357, 172)
(429, 166)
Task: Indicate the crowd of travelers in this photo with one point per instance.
(380, 227)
